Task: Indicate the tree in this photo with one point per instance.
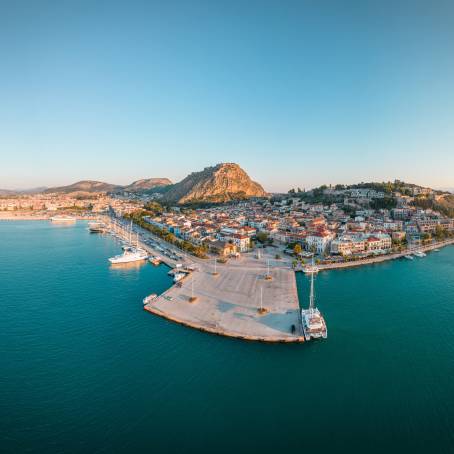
(262, 237)
(297, 249)
(440, 233)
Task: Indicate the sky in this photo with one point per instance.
(299, 93)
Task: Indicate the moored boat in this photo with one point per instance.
(63, 218)
(178, 277)
(155, 260)
(148, 299)
(96, 227)
(313, 323)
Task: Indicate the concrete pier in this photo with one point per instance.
(229, 302)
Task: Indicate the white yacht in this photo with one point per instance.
(314, 326)
(148, 299)
(409, 257)
(63, 218)
(96, 227)
(419, 254)
(178, 276)
(130, 253)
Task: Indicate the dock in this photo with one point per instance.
(228, 303)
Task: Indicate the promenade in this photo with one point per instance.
(384, 258)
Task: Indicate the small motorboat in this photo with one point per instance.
(148, 299)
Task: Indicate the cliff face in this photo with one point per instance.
(221, 183)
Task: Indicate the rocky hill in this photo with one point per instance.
(85, 186)
(221, 183)
(146, 184)
(89, 186)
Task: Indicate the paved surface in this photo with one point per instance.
(228, 303)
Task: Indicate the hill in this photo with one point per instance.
(146, 184)
(221, 183)
(90, 186)
(85, 186)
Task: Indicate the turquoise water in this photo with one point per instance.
(85, 369)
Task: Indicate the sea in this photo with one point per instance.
(84, 369)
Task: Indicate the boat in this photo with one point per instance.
(409, 257)
(130, 253)
(178, 276)
(311, 269)
(155, 260)
(419, 254)
(148, 299)
(313, 323)
(96, 227)
(436, 250)
(62, 218)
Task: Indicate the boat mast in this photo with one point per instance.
(311, 298)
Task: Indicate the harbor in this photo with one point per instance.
(234, 299)
(87, 339)
(245, 298)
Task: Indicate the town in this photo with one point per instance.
(334, 224)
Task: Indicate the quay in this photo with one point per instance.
(228, 303)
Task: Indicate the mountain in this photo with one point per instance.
(146, 184)
(221, 183)
(11, 192)
(85, 186)
(7, 192)
(91, 186)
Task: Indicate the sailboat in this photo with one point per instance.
(130, 253)
(314, 326)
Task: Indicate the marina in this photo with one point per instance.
(81, 342)
(245, 298)
(226, 302)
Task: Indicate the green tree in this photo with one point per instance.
(262, 237)
(297, 249)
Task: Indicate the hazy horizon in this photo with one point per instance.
(298, 93)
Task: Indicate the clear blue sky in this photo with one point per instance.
(299, 93)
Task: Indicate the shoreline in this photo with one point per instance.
(44, 217)
(384, 258)
(224, 333)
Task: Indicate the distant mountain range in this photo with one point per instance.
(221, 183)
(100, 186)
(7, 192)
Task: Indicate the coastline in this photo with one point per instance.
(41, 217)
(384, 258)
